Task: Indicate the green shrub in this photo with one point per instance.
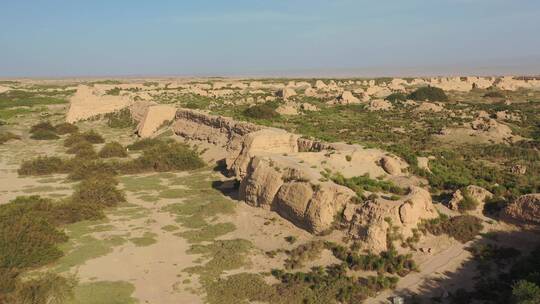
(66, 128)
(45, 289)
(462, 228)
(114, 91)
(113, 149)
(93, 137)
(98, 191)
(261, 111)
(74, 139)
(120, 119)
(359, 184)
(90, 136)
(303, 253)
(144, 144)
(81, 168)
(42, 126)
(165, 156)
(28, 236)
(7, 136)
(468, 203)
(43, 165)
(42, 134)
(82, 149)
(396, 97)
(429, 94)
(525, 292)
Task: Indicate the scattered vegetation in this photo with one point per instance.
(462, 228)
(468, 203)
(113, 149)
(359, 184)
(428, 94)
(65, 128)
(261, 111)
(120, 119)
(394, 97)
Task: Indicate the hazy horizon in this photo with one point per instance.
(297, 38)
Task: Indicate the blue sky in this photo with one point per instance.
(44, 38)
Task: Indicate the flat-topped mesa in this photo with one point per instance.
(88, 102)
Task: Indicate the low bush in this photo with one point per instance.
(396, 97)
(81, 168)
(45, 289)
(120, 119)
(428, 94)
(468, 203)
(144, 144)
(98, 191)
(42, 134)
(66, 128)
(387, 262)
(261, 111)
(114, 91)
(82, 149)
(462, 228)
(29, 237)
(93, 137)
(303, 253)
(164, 156)
(90, 136)
(43, 126)
(43, 165)
(7, 136)
(359, 184)
(113, 149)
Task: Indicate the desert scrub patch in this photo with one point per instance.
(147, 239)
(303, 253)
(208, 232)
(428, 94)
(266, 111)
(90, 136)
(65, 128)
(389, 261)
(462, 228)
(120, 119)
(143, 144)
(43, 165)
(172, 193)
(359, 184)
(20, 98)
(113, 149)
(44, 135)
(164, 157)
(104, 292)
(223, 255)
(134, 183)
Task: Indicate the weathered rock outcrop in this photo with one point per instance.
(294, 191)
(370, 222)
(479, 194)
(154, 118)
(280, 171)
(89, 102)
(524, 210)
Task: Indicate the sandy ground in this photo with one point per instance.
(154, 270)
